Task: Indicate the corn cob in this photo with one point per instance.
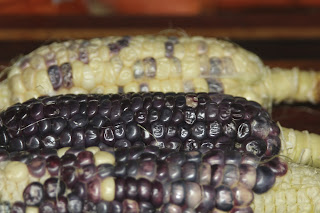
(153, 63)
(168, 120)
(150, 179)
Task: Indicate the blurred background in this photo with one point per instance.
(282, 33)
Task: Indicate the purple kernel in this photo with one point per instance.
(33, 194)
(55, 76)
(37, 166)
(265, 180)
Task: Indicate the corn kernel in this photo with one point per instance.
(16, 171)
(77, 73)
(125, 76)
(102, 157)
(163, 68)
(108, 189)
(131, 87)
(42, 83)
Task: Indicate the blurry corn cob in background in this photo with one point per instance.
(153, 63)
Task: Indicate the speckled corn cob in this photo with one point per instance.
(149, 179)
(152, 63)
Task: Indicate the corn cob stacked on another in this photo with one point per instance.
(153, 63)
(170, 152)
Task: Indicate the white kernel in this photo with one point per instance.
(111, 88)
(177, 85)
(30, 94)
(107, 189)
(190, 68)
(16, 85)
(37, 62)
(97, 68)
(62, 56)
(154, 85)
(146, 49)
(28, 78)
(88, 78)
(42, 50)
(125, 76)
(16, 171)
(4, 95)
(93, 53)
(191, 49)
(62, 151)
(128, 56)
(116, 64)
(99, 89)
(78, 90)
(42, 83)
(73, 56)
(93, 149)
(104, 53)
(32, 209)
(77, 73)
(102, 157)
(179, 51)
(159, 50)
(110, 75)
(14, 70)
(166, 86)
(131, 87)
(200, 85)
(163, 68)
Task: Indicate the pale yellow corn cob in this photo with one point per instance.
(300, 146)
(295, 192)
(194, 64)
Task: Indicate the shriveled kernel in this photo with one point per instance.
(62, 151)
(108, 188)
(102, 157)
(16, 171)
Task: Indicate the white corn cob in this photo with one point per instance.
(155, 63)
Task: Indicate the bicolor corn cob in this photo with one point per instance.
(150, 179)
(153, 63)
(169, 120)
